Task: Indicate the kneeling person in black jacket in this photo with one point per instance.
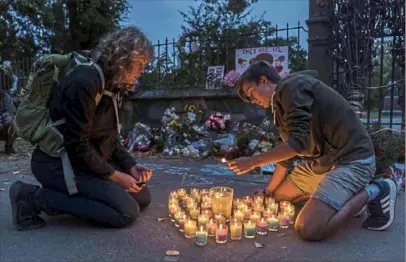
(111, 186)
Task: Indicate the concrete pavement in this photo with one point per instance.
(67, 238)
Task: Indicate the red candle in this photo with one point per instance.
(221, 234)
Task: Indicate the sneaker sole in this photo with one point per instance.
(392, 202)
(362, 211)
(13, 194)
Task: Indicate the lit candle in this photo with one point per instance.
(194, 213)
(173, 194)
(274, 208)
(221, 234)
(259, 199)
(267, 213)
(255, 216)
(239, 215)
(202, 219)
(290, 211)
(220, 219)
(247, 200)
(249, 229)
(223, 160)
(177, 216)
(235, 230)
(262, 226)
(181, 192)
(258, 207)
(247, 213)
(273, 223)
(206, 198)
(182, 220)
(173, 208)
(283, 220)
(283, 205)
(269, 201)
(207, 212)
(236, 202)
(173, 201)
(204, 192)
(194, 192)
(211, 227)
(206, 205)
(241, 206)
(190, 229)
(201, 236)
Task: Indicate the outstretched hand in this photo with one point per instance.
(241, 165)
(141, 173)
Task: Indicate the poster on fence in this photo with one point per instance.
(215, 75)
(277, 56)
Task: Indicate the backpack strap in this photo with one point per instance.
(114, 99)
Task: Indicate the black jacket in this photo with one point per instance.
(318, 123)
(90, 133)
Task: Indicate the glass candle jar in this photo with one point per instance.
(222, 234)
(249, 229)
(201, 236)
(235, 230)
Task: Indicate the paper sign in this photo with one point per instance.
(215, 75)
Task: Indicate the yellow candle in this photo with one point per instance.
(235, 230)
(207, 212)
(269, 201)
(182, 220)
(204, 192)
(255, 216)
(190, 229)
(194, 213)
(236, 202)
(173, 194)
(202, 219)
(211, 227)
(283, 220)
(201, 236)
(177, 216)
(241, 206)
(239, 215)
(173, 201)
(206, 204)
(181, 192)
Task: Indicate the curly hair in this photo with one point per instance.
(120, 50)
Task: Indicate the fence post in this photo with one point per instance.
(320, 31)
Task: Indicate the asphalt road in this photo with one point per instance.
(67, 238)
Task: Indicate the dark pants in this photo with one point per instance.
(101, 201)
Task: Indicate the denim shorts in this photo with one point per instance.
(336, 186)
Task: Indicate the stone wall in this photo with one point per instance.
(148, 106)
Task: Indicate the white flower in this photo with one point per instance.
(191, 116)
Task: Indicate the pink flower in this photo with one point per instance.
(231, 78)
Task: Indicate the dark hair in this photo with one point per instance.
(254, 73)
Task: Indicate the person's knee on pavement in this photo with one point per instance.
(127, 216)
(143, 197)
(309, 231)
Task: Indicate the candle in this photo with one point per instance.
(190, 229)
(259, 199)
(255, 216)
(173, 194)
(239, 215)
(211, 227)
(181, 192)
(273, 223)
(247, 213)
(249, 229)
(283, 220)
(206, 198)
(221, 234)
(182, 220)
(207, 212)
(223, 160)
(236, 202)
(177, 216)
(204, 192)
(173, 201)
(201, 236)
(241, 206)
(247, 200)
(220, 219)
(173, 208)
(262, 226)
(269, 201)
(194, 213)
(267, 213)
(235, 230)
(274, 207)
(194, 192)
(202, 219)
(206, 205)
(283, 205)
(258, 207)
(290, 211)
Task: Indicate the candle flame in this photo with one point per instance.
(221, 226)
(223, 160)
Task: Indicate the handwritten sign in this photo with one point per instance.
(276, 56)
(215, 75)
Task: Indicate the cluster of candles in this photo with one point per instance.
(192, 213)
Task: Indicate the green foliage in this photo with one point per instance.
(31, 26)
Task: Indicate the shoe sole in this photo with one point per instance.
(362, 211)
(392, 202)
(13, 194)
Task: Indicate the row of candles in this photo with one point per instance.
(193, 215)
